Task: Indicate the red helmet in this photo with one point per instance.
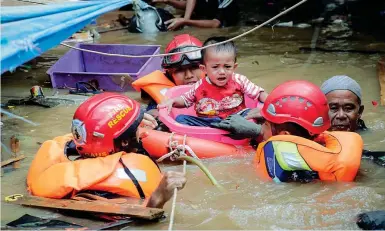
(183, 42)
(103, 118)
(300, 102)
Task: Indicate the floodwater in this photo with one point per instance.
(268, 58)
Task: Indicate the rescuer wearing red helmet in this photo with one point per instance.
(294, 107)
(106, 123)
(104, 136)
(297, 108)
(181, 69)
(297, 146)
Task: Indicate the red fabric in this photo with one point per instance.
(214, 101)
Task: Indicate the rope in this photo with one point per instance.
(178, 152)
(170, 141)
(166, 156)
(192, 153)
(176, 148)
(172, 215)
(197, 49)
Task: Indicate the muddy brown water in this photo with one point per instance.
(268, 58)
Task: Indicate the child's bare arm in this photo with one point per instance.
(185, 100)
(173, 102)
(262, 96)
(179, 102)
(250, 89)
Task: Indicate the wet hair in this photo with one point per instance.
(293, 128)
(225, 47)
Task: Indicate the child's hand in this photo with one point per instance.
(167, 104)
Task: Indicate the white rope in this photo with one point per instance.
(170, 141)
(172, 210)
(172, 215)
(166, 155)
(179, 149)
(189, 150)
(197, 49)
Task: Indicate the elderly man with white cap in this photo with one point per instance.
(345, 103)
(345, 109)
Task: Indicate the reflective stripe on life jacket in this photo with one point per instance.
(338, 160)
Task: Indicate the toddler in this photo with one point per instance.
(221, 93)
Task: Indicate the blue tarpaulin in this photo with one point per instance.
(29, 31)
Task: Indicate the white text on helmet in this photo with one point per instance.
(116, 109)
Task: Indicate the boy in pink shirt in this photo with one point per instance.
(219, 94)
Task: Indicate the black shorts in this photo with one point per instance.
(226, 11)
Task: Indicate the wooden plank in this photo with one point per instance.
(381, 78)
(101, 207)
(11, 160)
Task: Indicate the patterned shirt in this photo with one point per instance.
(214, 101)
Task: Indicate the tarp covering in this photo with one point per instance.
(29, 31)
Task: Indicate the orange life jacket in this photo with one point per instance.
(338, 160)
(53, 175)
(155, 84)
